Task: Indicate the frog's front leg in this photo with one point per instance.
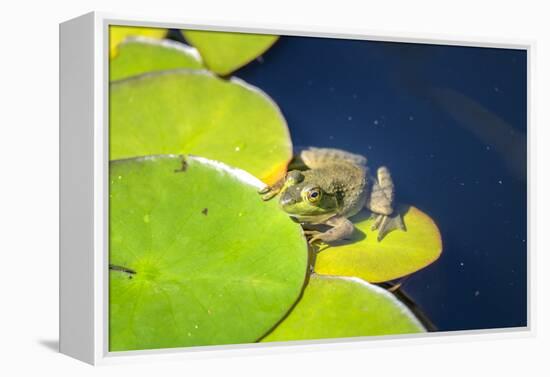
(381, 202)
(269, 192)
(341, 228)
(291, 178)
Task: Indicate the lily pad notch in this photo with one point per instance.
(225, 52)
(195, 112)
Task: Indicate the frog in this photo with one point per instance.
(327, 186)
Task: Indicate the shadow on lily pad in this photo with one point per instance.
(398, 254)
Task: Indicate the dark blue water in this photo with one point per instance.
(450, 123)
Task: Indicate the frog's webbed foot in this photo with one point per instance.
(341, 228)
(386, 223)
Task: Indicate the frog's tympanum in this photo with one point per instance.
(327, 186)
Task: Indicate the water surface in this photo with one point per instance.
(450, 123)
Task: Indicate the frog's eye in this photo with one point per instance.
(313, 195)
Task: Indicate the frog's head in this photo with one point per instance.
(305, 200)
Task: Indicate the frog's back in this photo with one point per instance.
(315, 158)
(344, 178)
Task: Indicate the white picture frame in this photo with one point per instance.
(84, 208)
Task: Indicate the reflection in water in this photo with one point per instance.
(489, 128)
(509, 143)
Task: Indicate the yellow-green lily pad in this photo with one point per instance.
(342, 307)
(398, 254)
(225, 52)
(118, 33)
(139, 55)
(195, 257)
(195, 112)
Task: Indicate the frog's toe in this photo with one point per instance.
(314, 237)
(377, 221)
(264, 190)
(311, 233)
(269, 195)
(386, 224)
(268, 192)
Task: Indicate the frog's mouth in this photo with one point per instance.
(301, 211)
(311, 219)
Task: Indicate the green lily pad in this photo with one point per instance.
(139, 55)
(398, 254)
(191, 111)
(226, 52)
(196, 258)
(341, 307)
(117, 34)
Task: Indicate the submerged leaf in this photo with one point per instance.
(340, 307)
(141, 55)
(196, 258)
(117, 34)
(398, 254)
(195, 112)
(225, 52)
